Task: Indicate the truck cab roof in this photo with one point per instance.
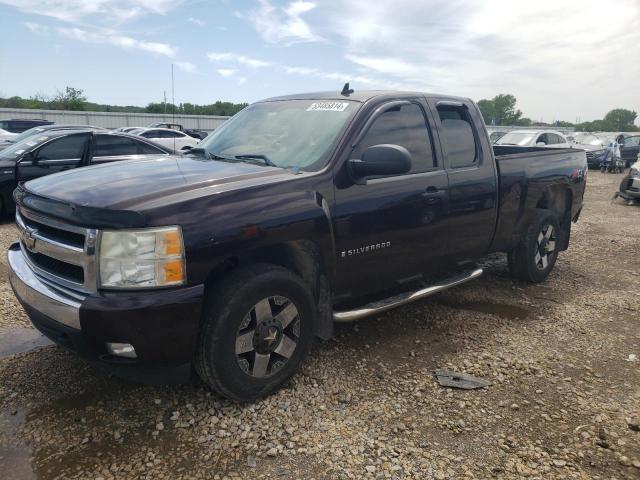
(361, 96)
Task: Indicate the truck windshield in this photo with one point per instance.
(289, 133)
(516, 138)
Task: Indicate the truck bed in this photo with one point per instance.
(524, 174)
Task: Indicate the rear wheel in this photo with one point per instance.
(534, 257)
(257, 329)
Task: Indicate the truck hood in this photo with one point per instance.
(140, 184)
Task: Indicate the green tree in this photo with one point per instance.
(70, 99)
(500, 110)
(621, 120)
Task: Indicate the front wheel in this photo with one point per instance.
(257, 329)
(534, 257)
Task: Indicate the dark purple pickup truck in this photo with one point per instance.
(299, 212)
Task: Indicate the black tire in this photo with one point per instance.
(227, 307)
(527, 261)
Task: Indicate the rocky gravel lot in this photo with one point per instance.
(564, 400)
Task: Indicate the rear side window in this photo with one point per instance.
(145, 149)
(114, 145)
(458, 137)
(404, 125)
(66, 148)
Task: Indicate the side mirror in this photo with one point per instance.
(380, 160)
(541, 144)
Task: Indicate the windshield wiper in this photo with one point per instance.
(259, 156)
(210, 156)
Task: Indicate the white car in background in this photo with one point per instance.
(168, 138)
(5, 136)
(534, 138)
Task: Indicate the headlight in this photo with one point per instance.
(634, 172)
(152, 257)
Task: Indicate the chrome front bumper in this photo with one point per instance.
(39, 294)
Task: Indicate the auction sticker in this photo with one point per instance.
(328, 107)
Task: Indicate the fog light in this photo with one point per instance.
(122, 350)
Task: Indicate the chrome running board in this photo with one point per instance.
(404, 298)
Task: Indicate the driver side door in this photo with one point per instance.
(58, 154)
(391, 229)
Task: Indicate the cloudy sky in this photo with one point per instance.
(562, 59)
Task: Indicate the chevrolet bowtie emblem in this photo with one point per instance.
(29, 238)
(273, 335)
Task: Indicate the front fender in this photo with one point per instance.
(234, 228)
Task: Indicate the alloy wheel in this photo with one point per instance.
(545, 246)
(268, 336)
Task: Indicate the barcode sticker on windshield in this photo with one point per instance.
(328, 107)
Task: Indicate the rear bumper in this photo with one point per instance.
(161, 325)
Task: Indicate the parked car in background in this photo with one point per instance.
(299, 212)
(57, 150)
(172, 139)
(6, 136)
(630, 185)
(128, 129)
(629, 149)
(193, 132)
(19, 125)
(42, 129)
(593, 145)
(534, 138)
(496, 133)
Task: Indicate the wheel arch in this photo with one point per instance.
(302, 257)
(559, 200)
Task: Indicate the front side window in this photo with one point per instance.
(66, 148)
(114, 145)
(404, 125)
(458, 136)
(290, 133)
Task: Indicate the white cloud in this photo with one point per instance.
(186, 66)
(228, 57)
(282, 24)
(196, 21)
(340, 77)
(109, 10)
(114, 38)
(36, 27)
(220, 57)
(242, 80)
(558, 57)
(226, 72)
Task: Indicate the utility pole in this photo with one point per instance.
(165, 103)
(173, 95)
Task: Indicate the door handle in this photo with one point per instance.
(432, 195)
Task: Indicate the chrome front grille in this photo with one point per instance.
(61, 253)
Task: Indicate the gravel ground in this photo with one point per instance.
(565, 400)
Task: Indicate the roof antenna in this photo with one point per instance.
(346, 91)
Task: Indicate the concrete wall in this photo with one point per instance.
(113, 119)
